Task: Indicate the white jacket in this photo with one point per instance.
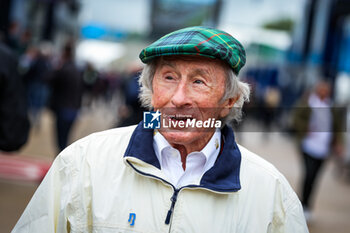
(111, 182)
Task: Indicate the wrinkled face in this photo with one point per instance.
(189, 86)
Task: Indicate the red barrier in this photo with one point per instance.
(22, 168)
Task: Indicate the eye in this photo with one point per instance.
(169, 77)
(197, 81)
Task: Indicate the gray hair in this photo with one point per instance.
(233, 88)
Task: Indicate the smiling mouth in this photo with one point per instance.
(181, 118)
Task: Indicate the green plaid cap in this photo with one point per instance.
(201, 41)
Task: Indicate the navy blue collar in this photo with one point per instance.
(222, 177)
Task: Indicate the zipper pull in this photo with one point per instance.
(170, 211)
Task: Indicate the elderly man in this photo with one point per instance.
(174, 178)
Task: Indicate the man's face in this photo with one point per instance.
(323, 90)
(189, 86)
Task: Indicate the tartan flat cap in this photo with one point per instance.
(200, 41)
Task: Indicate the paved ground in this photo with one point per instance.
(332, 202)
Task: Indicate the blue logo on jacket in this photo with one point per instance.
(151, 120)
(132, 217)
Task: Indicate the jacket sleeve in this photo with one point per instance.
(295, 219)
(288, 211)
(48, 208)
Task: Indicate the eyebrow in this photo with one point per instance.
(198, 71)
(203, 72)
(166, 63)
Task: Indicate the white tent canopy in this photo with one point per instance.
(255, 35)
(99, 53)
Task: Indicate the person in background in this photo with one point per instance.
(36, 67)
(67, 88)
(90, 78)
(14, 122)
(131, 112)
(318, 128)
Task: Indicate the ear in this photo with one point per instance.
(227, 105)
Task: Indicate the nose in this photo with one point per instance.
(180, 97)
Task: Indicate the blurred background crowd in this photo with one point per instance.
(69, 68)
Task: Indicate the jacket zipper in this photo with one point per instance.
(171, 210)
(176, 192)
(173, 197)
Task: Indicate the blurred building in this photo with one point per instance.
(170, 15)
(322, 39)
(30, 22)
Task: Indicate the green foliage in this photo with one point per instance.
(285, 24)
